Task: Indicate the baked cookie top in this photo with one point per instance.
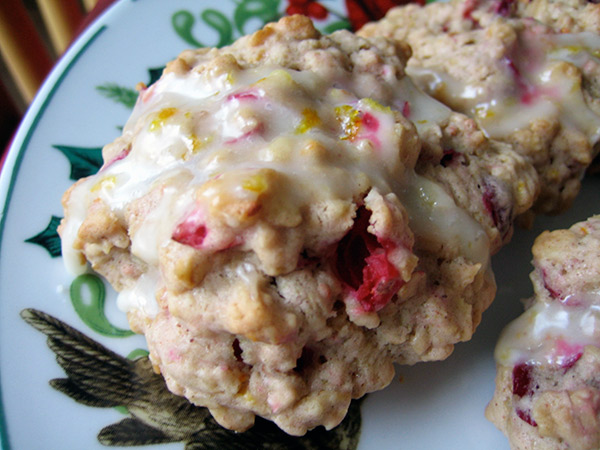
(263, 221)
(564, 16)
(255, 135)
(523, 82)
(547, 393)
(223, 144)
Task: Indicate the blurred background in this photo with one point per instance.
(33, 35)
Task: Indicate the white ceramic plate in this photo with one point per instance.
(79, 109)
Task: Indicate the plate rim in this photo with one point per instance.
(16, 151)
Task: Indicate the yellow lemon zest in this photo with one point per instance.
(349, 119)
(107, 182)
(375, 105)
(256, 183)
(310, 119)
(161, 118)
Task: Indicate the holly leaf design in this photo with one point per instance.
(337, 25)
(120, 94)
(126, 95)
(99, 377)
(154, 74)
(85, 161)
(48, 238)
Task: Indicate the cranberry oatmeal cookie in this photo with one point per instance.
(565, 16)
(548, 383)
(523, 82)
(265, 225)
(487, 178)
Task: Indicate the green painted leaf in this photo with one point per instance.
(265, 10)
(90, 307)
(217, 21)
(120, 94)
(97, 376)
(338, 25)
(49, 238)
(85, 161)
(138, 353)
(183, 21)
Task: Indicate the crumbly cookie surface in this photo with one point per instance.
(548, 382)
(523, 82)
(274, 230)
(565, 16)
(487, 178)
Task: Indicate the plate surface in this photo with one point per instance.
(80, 108)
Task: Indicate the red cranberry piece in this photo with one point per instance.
(526, 416)
(381, 281)
(246, 95)
(370, 122)
(191, 231)
(497, 205)
(469, 7)
(570, 361)
(503, 7)
(554, 293)
(406, 109)
(522, 380)
(527, 93)
(362, 265)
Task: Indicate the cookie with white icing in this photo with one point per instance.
(548, 383)
(524, 83)
(276, 227)
(487, 178)
(565, 16)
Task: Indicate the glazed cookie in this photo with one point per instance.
(487, 178)
(548, 383)
(565, 16)
(263, 221)
(521, 81)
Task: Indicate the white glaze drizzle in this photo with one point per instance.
(551, 332)
(500, 111)
(194, 125)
